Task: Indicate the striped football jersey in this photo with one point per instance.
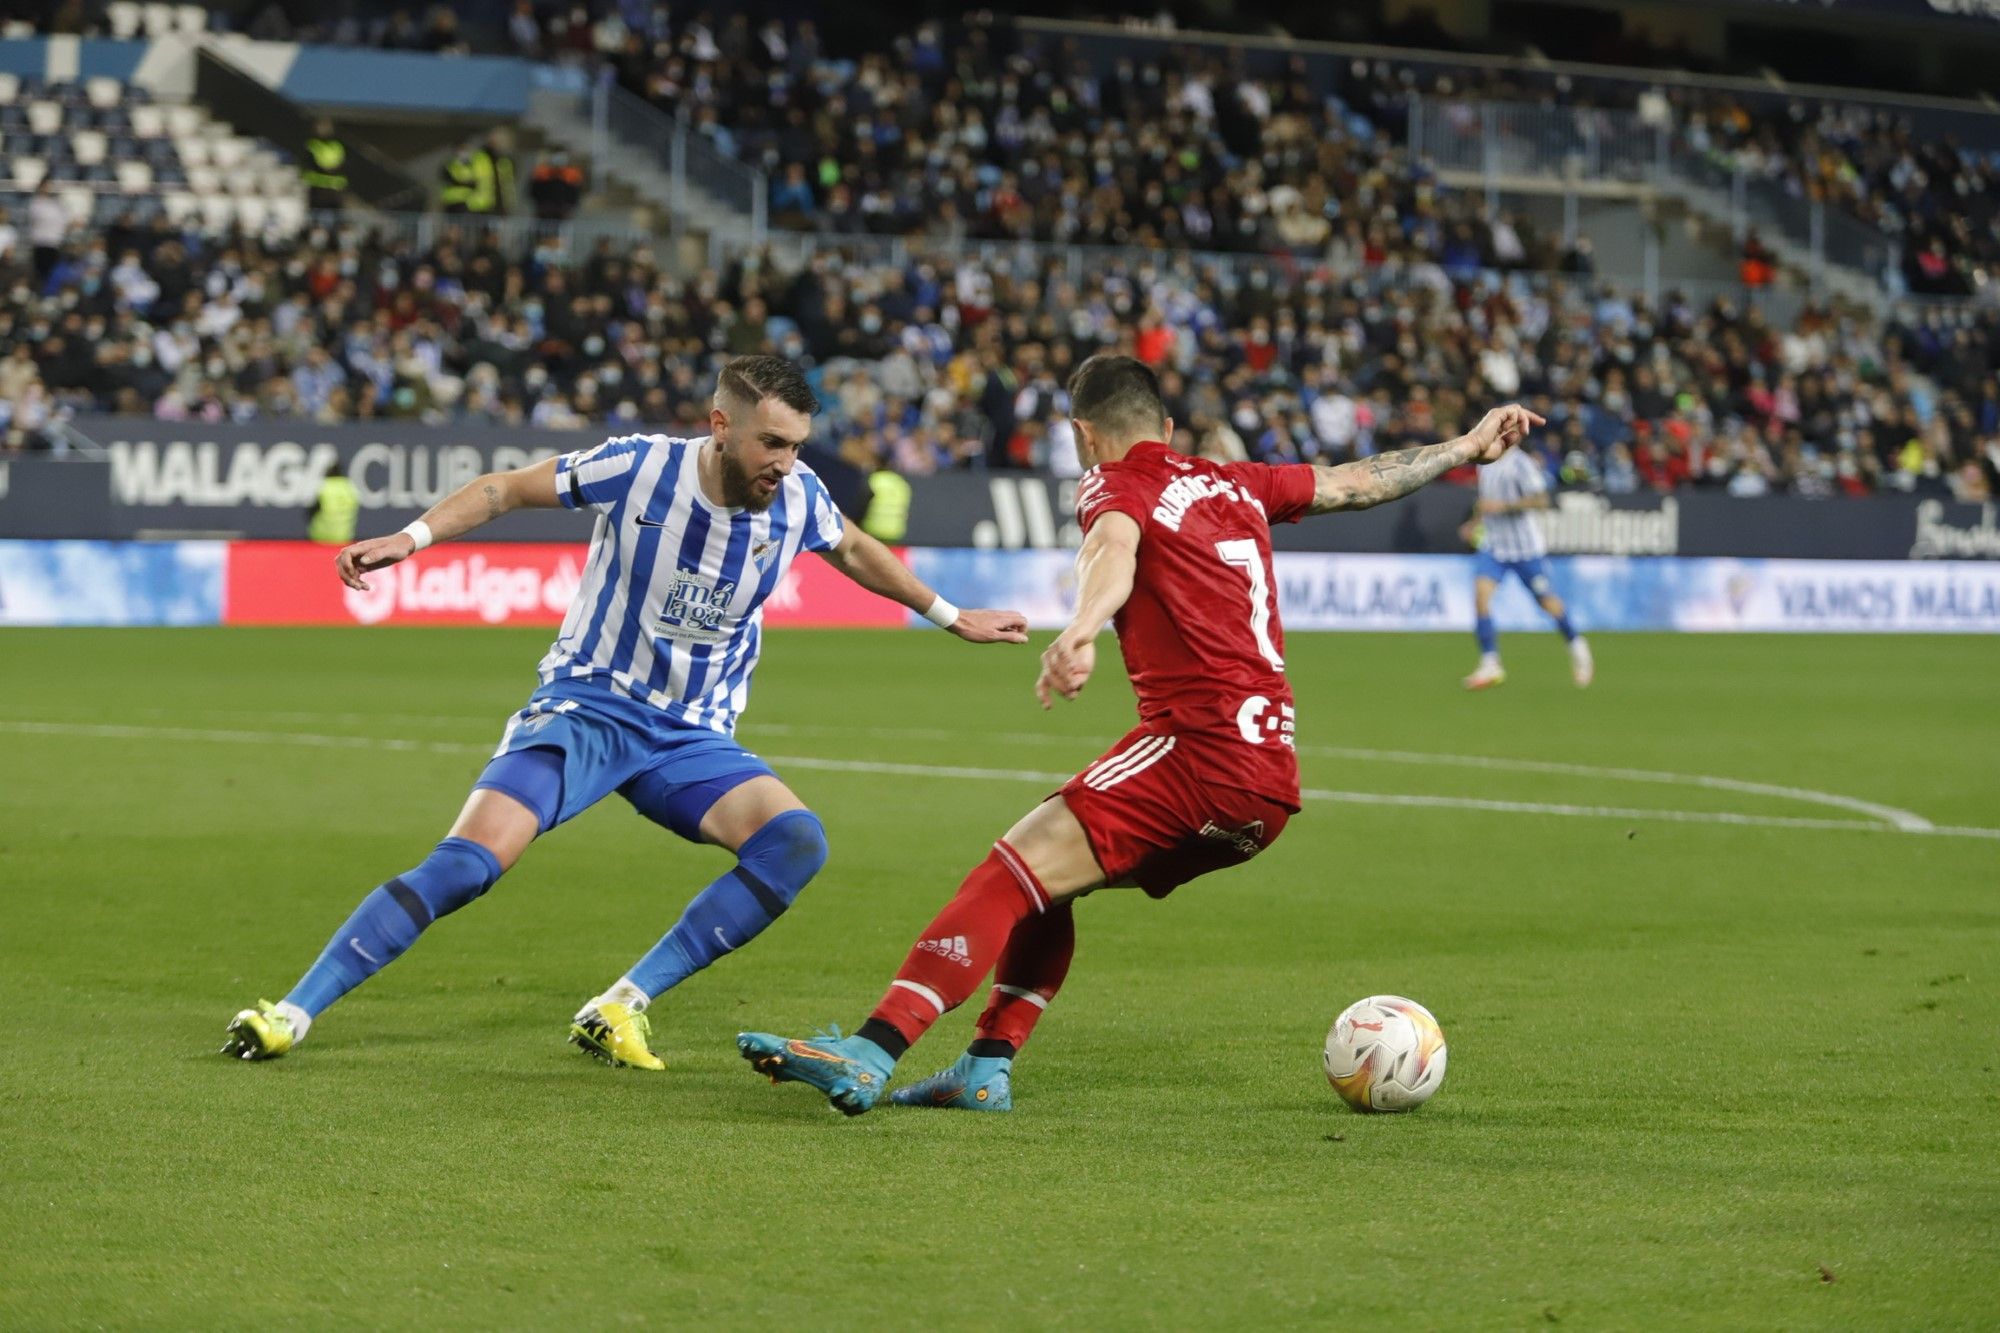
(669, 611)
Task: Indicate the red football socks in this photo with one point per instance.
(961, 944)
(1030, 972)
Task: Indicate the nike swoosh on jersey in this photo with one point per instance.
(650, 522)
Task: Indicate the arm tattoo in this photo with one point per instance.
(493, 506)
(1384, 477)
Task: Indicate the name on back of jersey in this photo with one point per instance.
(694, 607)
(1183, 493)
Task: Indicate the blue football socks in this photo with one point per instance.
(389, 920)
(773, 865)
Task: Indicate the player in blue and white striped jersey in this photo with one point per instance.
(1510, 491)
(640, 693)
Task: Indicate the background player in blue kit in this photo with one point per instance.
(639, 694)
(1510, 491)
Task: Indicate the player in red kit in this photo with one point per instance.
(1177, 555)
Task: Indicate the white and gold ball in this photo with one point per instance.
(1385, 1053)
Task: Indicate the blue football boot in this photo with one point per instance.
(851, 1071)
(974, 1083)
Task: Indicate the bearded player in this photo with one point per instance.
(1177, 554)
(639, 694)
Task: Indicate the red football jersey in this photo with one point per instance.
(1200, 632)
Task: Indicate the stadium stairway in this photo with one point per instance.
(629, 167)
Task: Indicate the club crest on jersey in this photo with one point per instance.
(760, 553)
(1258, 722)
(695, 606)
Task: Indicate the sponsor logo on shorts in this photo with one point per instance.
(1248, 839)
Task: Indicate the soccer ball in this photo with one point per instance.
(1385, 1053)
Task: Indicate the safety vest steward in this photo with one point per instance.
(329, 157)
(333, 517)
(888, 518)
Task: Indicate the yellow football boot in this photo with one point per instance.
(263, 1033)
(615, 1034)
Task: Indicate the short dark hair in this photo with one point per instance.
(1120, 394)
(755, 378)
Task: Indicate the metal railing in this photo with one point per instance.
(689, 158)
(1588, 148)
(1287, 276)
(1501, 139)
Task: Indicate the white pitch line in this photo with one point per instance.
(1908, 821)
(124, 731)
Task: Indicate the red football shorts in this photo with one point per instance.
(1154, 822)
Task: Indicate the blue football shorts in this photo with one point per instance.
(1534, 574)
(576, 743)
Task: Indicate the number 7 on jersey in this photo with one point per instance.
(1243, 554)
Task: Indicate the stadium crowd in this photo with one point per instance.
(1367, 307)
(978, 128)
(947, 359)
(983, 130)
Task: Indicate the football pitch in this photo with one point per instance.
(1715, 945)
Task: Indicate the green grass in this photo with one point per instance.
(1702, 1074)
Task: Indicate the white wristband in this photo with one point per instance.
(942, 614)
(419, 532)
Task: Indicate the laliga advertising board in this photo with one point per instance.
(484, 583)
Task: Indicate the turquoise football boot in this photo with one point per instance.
(974, 1083)
(851, 1071)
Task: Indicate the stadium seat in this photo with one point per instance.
(125, 18)
(288, 214)
(80, 202)
(159, 20)
(45, 117)
(179, 204)
(148, 122)
(28, 171)
(104, 92)
(191, 20)
(184, 121)
(251, 213)
(204, 180)
(89, 147)
(10, 87)
(218, 211)
(227, 153)
(193, 151)
(134, 177)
